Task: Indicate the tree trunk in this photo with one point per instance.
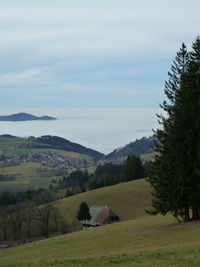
(195, 214)
(186, 214)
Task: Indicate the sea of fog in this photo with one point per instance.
(103, 129)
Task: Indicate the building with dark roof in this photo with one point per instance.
(101, 215)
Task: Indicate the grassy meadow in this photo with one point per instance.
(28, 175)
(138, 240)
(146, 241)
(129, 200)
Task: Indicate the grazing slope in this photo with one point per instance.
(147, 241)
(24, 117)
(144, 241)
(128, 200)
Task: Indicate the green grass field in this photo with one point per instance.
(28, 175)
(10, 146)
(146, 241)
(142, 241)
(129, 200)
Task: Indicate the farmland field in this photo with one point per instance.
(27, 175)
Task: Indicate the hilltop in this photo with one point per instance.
(143, 147)
(24, 117)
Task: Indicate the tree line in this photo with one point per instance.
(105, 175)
(29, 214)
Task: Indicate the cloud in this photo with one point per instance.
(21, 77)
(65, 48)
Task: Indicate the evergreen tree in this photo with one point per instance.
(193, 133)
(175, 176)
(133, 168)
(83, 212)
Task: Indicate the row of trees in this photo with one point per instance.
(28, 214)
(105, 175)
(23, 221)
(175, 177)
(38, 197)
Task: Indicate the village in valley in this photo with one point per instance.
(52, 159)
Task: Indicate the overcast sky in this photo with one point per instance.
(86, 53)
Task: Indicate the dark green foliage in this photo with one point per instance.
(76, 182)
(7, 178)
(83, 213)
(44, 197)
(175, 176)
(108, 169)
(105, 175)
(69, 193)
(141, 146)
(133, 168)
(6, 199)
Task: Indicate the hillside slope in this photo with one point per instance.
(154, 241)
(148, 241)
(128, 200)
(10, 145)
(56, 142)
(141, 146)
(34, 164)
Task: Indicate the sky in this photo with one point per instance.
(86, 53)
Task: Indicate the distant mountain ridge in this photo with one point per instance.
(141, 146)
(55, 142)
(24, 117)
(61, 143)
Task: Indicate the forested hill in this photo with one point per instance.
(24, 117)
(56, 142)
(141, 146)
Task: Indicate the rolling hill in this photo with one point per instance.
(22, 158)
(143, 146)
(56, 142)
(128, 200)
(34, 161)
(142, 241)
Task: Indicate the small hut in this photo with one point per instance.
(101, 215)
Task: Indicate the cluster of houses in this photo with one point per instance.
(51, 159)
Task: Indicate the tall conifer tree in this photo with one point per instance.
(176, 172)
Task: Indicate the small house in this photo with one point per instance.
(101, 215)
